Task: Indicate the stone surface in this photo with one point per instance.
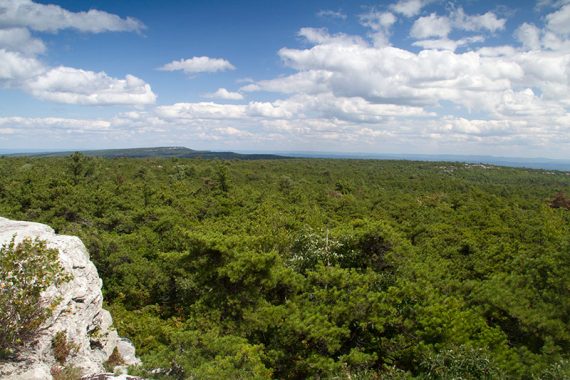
(80, 313)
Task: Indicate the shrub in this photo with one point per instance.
(26, 270)
(62, 348)
(114, 360)
(66, 373)
(460, 363)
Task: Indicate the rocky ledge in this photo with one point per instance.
(80, 314)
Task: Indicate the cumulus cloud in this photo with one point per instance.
(20, 40)
(197, 65)
(435, 25)
(202, 110)
(75, 86)
(431, 26)
(559, 21)
(222, 93)
(397, 76)
(378, 21)
(313, 81)
(349, 85)
(20, 67)
(487, 21)
(409, 8)
(52, 18)
(380, 24)
(529, 36)
(15, 68)
(69, 85)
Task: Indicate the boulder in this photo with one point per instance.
(80, 314)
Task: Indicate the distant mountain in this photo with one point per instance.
(168, 152)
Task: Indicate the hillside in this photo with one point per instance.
(318, 268)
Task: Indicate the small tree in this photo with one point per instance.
(222, 176)
(26, 270)
(80, 167)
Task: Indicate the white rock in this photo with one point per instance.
(80, 313)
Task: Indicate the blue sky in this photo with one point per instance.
(402, 76)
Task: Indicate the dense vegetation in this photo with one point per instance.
(318, 268)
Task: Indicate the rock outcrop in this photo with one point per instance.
(79, 314)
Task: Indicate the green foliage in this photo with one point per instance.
(26, 270)
(347, 269)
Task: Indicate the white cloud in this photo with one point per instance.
(196, 65)
(52, 18)
(75, 86)
(202, 110)
(447, 44)
(554, 42)
(380, 23)
(313, 81)
(15, 68)
(281, 109)
(331, 14)
(431, 26)
(50, 123)
(322, 36)
(222, 93)
(409, 8)
(487, 21)
(392, 75)
(20, 68)
(529, 36)
(559, 21)
(298, 107)
(335, 79)
(69, 85)
(20, 40)
(497, 51)
(440, 26)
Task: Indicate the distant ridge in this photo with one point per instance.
(166, 152)
(183, 152)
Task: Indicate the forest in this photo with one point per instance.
(317, 268)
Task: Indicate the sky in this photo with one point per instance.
(403, 76)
